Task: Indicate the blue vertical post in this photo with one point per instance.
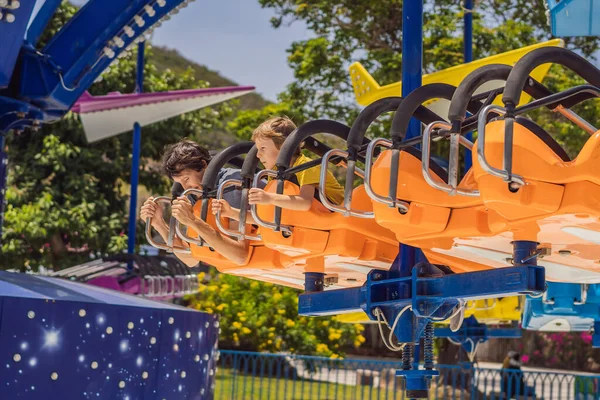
(412, 67)
(135, 156)
(3, 175)
(412, 54)
(468, 57)
(412, 70)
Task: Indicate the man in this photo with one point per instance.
(185, 163)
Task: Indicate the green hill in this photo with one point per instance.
(165, 58)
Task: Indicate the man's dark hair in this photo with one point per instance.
(185, 154)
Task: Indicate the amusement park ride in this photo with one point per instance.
(518, 218)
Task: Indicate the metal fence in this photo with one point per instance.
(247, 375)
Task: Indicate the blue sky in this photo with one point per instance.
(235, 38)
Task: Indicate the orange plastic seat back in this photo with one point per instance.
(534, 160)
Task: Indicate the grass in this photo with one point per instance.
(233, 385)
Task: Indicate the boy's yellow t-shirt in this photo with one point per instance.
(312, 176)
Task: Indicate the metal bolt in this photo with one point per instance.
(514, 186)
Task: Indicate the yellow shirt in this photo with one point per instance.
(312, 176)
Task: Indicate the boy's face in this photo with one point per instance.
(190, 179)
(267, 152)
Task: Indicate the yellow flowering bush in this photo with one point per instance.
(257, 316)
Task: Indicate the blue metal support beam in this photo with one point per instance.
(468, 57)
(472, 333)
(14, 17)
(430, 292)
(41, 20)
(3, 177)
(473, 329)
(412, 55)
(135, 156)
(412, 73)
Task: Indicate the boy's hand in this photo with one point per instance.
(152, 210)
(182, 211)
(223, 206)
(259, 196)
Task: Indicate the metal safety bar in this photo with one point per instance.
(576, 119)
(166, 247)
(259, 221)
(352, 169)
(183, 235)
(456, 140)
(391, 201)
(506, 173)
(241, 234)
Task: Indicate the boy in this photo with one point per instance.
(185, 163)
(269, 138)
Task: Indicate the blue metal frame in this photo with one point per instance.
(412, 55)
(565, 307)
(472, 332)
(11, 34)
(135, 157)
(412, 73)
(418, 293)
(574, 17)
(468, 57)
(41, 20)
(429, 291)
(3, 177)
(48, 82)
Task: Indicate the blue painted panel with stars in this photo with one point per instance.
(74, 341)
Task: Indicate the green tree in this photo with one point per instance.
(246, 121)
(68, 198)
(257, 316)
